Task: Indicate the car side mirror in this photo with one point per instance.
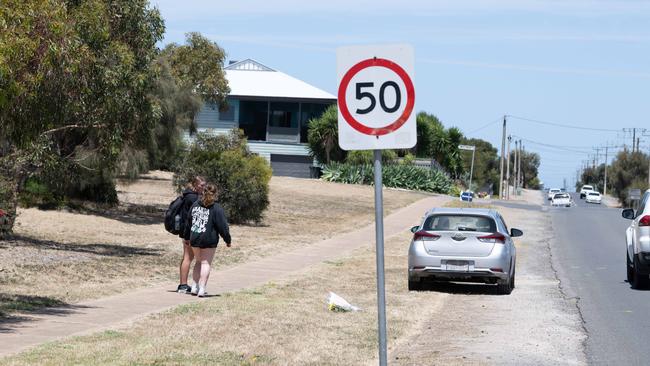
(516, 233)
(628, 213)
(414, 229)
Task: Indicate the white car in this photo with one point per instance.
(593, 197)
(561, 199)
(552, 192)
(637, 237)
(584, 190)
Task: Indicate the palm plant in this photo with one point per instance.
(323, 137)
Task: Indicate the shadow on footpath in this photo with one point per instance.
(110, 250)
(28, 306)
(460, 288)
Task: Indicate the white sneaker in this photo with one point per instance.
(201, 292)
(195, 289)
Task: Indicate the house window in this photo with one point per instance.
(253, 118)
(284, 114)
(308, 111)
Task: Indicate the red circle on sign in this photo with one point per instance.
(410, 96)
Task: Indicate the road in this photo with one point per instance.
(588, 250)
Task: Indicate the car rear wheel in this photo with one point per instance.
(640, 280)
(505, 287)
(415, 285)
(630, 269)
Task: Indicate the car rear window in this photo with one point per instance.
(588, 188)
(594, 194)
(451, 222)
(562, 195)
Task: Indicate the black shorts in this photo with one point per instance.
(203, 245)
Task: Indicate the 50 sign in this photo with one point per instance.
(376, 98)
(382, 97)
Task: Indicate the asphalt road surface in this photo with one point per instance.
(588, 248)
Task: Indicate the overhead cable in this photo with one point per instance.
(563, 125)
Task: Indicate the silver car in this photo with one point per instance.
(463, 245)
(637, 237)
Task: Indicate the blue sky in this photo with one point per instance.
(573, 62)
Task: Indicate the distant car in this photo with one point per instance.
(467, 196)
(637, 241)
(552, 192)
(463, 245)
(593, 197)
(584, 190)
(561, 199)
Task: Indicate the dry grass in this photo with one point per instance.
(278, 324)
(465, 204)
(67, 257)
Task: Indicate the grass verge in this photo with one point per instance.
(78, 256)
(277, 324)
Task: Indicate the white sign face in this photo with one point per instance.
(466, 147)
(376, 97)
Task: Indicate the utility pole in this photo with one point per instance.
(503, 149)
(508, 169)
(514, 166)
(519, 175)
(633, 139)
(605, 186)
(523, 177)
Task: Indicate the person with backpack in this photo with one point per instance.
(190, 195)
(207, 221)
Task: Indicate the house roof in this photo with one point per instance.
(253, 79)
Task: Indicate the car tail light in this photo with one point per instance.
(425, 236)
(645, 221)
(493, 238)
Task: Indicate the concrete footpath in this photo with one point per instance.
(28, 330)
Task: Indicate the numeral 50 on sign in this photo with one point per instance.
(376, 97)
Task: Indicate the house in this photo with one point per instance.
(273, 109)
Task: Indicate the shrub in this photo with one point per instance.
(409, 159)
(359, 157)
(241, 176)
(393, 175)
(455, 191)
(36, 193)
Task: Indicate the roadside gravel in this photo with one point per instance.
(535, 325)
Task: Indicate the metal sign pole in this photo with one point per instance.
(471, 171)
(379, 236)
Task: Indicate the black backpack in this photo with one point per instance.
(173, 217)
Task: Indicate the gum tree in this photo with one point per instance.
(75, 88)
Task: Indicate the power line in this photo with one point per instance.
(563, 125)
(559, 147)
(485, 126)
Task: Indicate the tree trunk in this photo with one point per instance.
(10, 182)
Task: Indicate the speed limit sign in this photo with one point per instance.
(376, 97)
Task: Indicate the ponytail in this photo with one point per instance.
(209, 195)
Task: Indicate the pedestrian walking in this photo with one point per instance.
(191, 194)
(207, 221)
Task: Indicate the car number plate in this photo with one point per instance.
(460, 266)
